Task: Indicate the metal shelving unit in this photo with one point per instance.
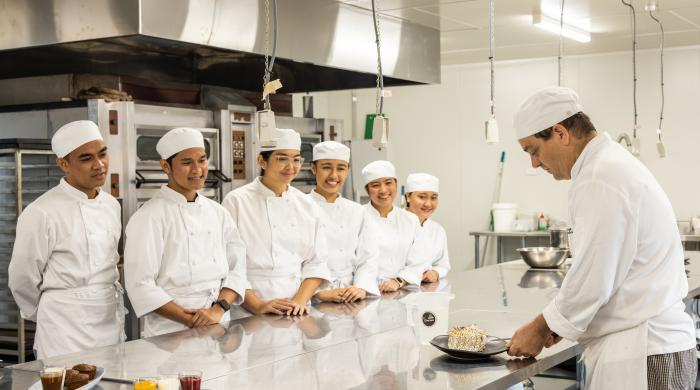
(27, 170)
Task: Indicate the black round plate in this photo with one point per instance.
(494, 346)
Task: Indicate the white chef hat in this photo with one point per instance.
(177, 140)
(72, 135)
(378, 169)
(544, 109)
(422, 182)
(288, 139)
(331, 150)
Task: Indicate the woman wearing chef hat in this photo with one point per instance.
(422, 200)
(281, 227)
(64, 261)
(184, 260)
(401, 261)
(352, 243)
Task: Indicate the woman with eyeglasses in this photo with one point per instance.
(401, 258)
(281, 227)
(422, 200)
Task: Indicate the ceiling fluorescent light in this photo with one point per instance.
(552, 25)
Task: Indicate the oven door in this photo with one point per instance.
(149, 175)
(308, 141)
(305, 180)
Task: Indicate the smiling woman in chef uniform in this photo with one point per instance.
(281, 227)
(352, 243)
(184, 260)
(422, 200)
(401, 258)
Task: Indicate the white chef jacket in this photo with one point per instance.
(628, 267)
(184, 252)
(400, 251)
(435, 244)
(64, 269)
(283, 236)
(353, 250)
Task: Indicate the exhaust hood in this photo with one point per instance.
(322, 44)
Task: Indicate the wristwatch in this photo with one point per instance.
(401, 281)
(224, 305)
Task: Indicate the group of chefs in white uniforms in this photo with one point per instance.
(622, 298)
(190, 262)
(281, 227)
(401, 256)
(63, 272)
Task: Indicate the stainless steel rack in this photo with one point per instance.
(27, 170)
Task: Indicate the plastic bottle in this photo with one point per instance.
(541, 222)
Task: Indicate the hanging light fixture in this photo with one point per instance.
(633, 145)
(265, 126)
(491, 123)
(380, 126)
(660, 147)
(560, 58)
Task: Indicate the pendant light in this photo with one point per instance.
(633, 145)
(491, 123)
(560, 58)
(380, 127)
(265, 126)
(660, 147)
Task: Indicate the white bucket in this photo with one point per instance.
(504, 215)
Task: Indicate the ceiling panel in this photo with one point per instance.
(420, 16)
(464, 25)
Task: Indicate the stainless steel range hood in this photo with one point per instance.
(322, 44)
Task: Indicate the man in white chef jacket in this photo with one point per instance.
(353, 250)
(184, 261)
(622, 296)
(63, 273)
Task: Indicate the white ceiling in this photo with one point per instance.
(463, 25)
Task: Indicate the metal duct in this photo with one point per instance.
(323, 45)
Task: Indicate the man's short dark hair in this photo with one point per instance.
(579, 125)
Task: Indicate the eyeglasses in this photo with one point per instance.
(286, 160)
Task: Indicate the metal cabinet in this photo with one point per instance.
(27, 170)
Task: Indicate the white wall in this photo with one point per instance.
(439, 129)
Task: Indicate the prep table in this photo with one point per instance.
(686, 238)
(379, 343)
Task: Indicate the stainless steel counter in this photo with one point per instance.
(380, 343)
(499, 236)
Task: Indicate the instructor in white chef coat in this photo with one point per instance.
(622, 298)
(351, 235)
(184, 260)
(422, 191)
(401, 260)
(281, 228)
(63, 273)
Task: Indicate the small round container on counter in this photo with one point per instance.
(543, 257)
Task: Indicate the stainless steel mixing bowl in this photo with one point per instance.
(543, 257)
